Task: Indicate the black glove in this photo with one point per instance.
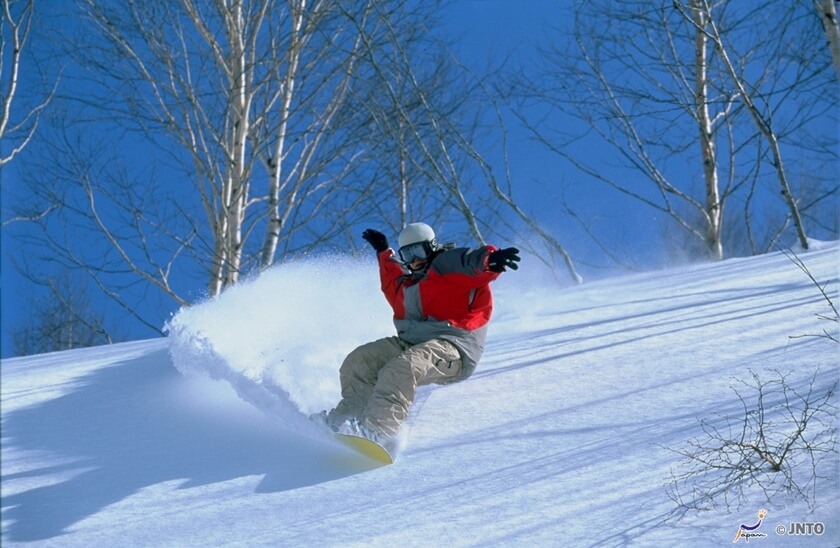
(501, 258)
(376, 239)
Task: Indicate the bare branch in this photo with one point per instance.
(835, 317)
(18, 26)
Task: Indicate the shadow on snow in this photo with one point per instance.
(130, 426)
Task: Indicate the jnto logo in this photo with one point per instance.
(747, 532)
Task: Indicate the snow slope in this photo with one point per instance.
(561, 438)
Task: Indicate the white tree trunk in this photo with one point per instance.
(828, 15)
(714, 207)
(242, 89)
(275, 164)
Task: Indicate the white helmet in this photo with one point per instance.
(414, 233)
(417, 242)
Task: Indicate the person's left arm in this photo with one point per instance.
(469, 262)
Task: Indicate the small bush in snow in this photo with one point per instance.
(778, 444)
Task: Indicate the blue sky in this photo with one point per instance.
(487, 30)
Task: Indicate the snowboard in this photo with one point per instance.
(366, 447)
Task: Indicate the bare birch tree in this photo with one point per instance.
(703, 18)
(435, 141)
(222, 81)
(654, 81)
(636, 115)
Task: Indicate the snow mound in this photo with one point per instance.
(265, 336)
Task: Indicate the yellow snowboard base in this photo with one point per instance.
(366, 447)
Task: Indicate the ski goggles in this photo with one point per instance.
(415, 252)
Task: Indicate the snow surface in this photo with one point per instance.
(561, 438)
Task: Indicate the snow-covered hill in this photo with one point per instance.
(565, 436)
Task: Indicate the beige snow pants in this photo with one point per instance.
(379, 379)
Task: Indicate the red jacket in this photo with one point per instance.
(449, 300)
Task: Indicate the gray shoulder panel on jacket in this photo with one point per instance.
(460, 261)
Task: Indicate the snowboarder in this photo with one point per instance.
(442, 303)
